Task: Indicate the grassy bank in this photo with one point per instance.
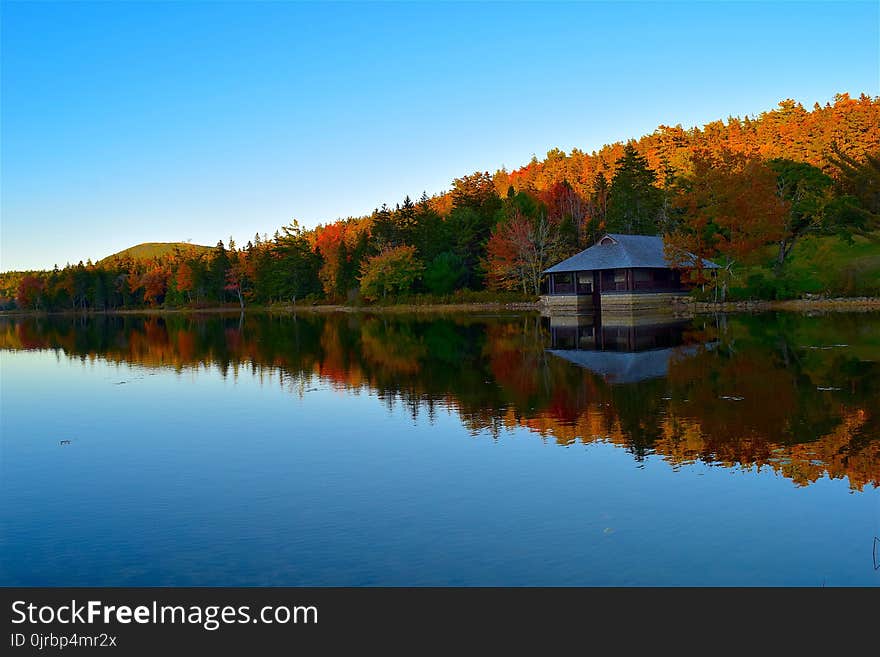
(826, 266)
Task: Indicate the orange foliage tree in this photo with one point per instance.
(155, 284)
(237, 276)
(730, 209)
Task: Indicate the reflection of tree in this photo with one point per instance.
(517, 359)
(392, 347)
(709, 385)
(807, 407)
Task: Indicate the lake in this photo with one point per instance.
(383, 449)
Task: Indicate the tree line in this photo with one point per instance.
(733, 192)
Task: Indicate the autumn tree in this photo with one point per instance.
(154, 282)
(238, 276)
(730, 208)
(29, 294)
(522, 246)
(329, 242)
(393, 270)
(570, 212)
(184, 279)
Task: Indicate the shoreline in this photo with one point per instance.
(291, 309)
(837, 304)
(685, 307)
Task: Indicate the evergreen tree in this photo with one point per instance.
(217, 272)
(298, 264)
(405, 220)
(476, 208)
(444, 273)
(384, 231)
(634, 203)
(430, 234)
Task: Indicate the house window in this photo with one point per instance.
(563, 283)
(585, 282)
(643, 275)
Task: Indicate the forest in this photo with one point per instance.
(786, 202)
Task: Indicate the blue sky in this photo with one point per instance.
(124, 123)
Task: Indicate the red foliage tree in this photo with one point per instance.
(29, 294)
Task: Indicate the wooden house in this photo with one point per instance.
(618, 273)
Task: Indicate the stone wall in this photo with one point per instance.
(566, 303)
(628, 303)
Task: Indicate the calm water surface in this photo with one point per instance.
(456, 450)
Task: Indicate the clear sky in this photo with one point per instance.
(125, 123)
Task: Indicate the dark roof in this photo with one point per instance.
(622, 252)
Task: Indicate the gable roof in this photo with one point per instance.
(617, 251)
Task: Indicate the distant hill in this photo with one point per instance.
(149, 250)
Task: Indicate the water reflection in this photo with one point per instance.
(800, 395)
(619, 353)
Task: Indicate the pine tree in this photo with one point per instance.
(634, 202)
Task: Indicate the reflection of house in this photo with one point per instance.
(619, 354)
(626, 366)
(591, 332)
(619, 272)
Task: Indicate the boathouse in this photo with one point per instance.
(619, 273)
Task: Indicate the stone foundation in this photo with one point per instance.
(638, 309)
(626, 309)
(567, 304)
(629, 303)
